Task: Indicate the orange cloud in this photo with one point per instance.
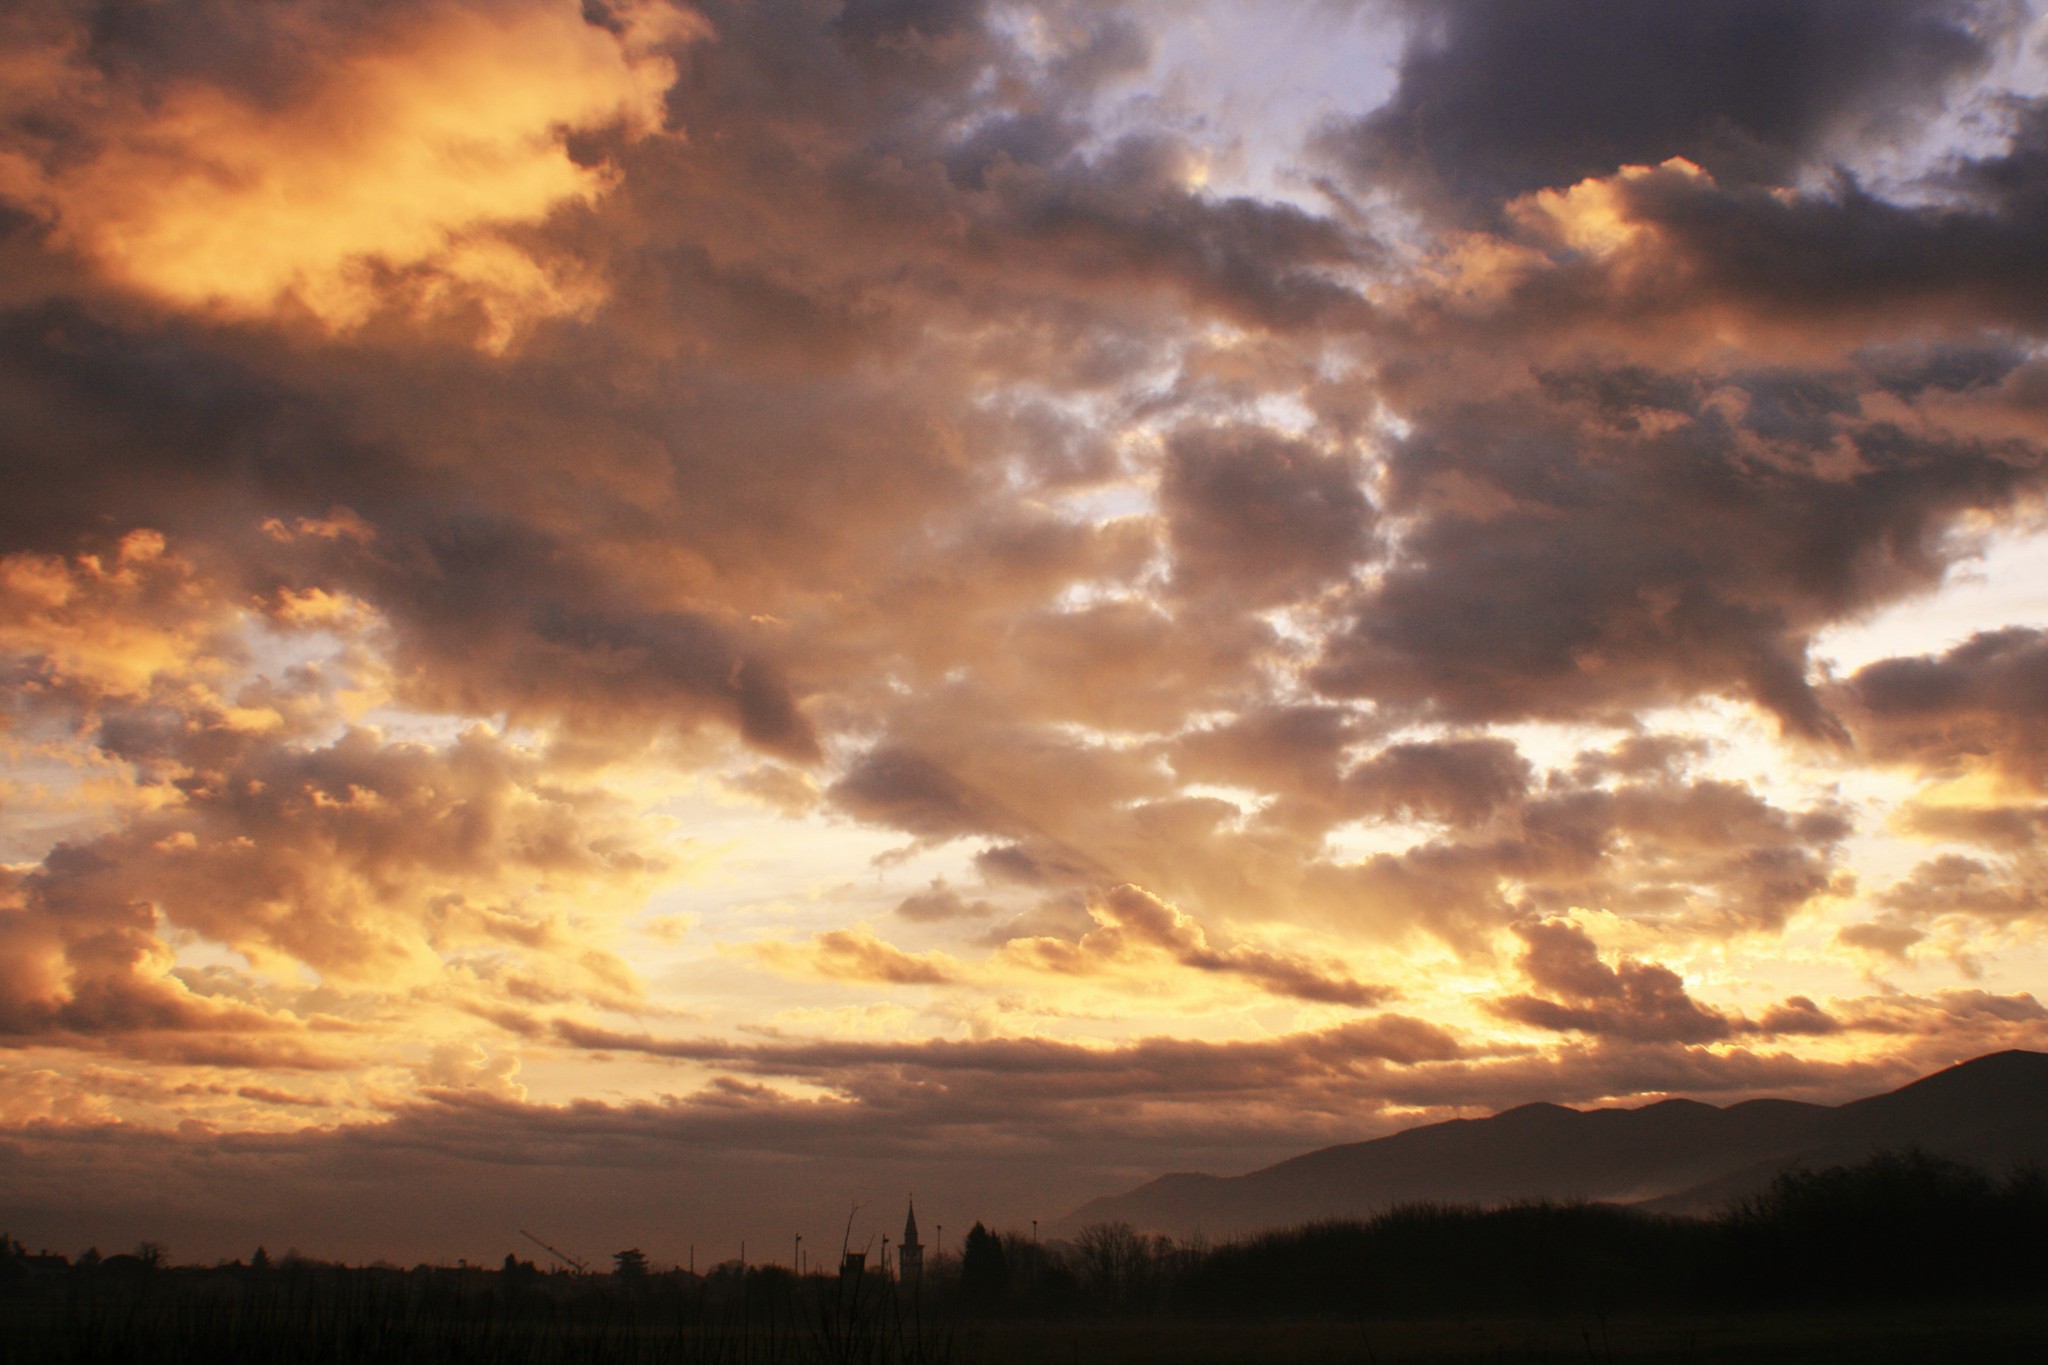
(1134, 928)
(411, 151)
(857, 955)
(112, 624)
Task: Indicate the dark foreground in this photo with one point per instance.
(2006, 1333)
(1905, 1258)
(2016, 1333)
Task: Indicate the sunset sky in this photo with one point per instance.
(647, 620)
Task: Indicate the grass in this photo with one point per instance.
(1994, 1335)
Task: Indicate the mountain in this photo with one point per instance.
(1674, 1156)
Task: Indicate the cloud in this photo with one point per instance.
(1982, 705)
(1132, 924)
(1694, 855)
(857, 955)
(787, 790)
(387, 165)
(1641, 1001)
(902, 443)
(1566, 552)
(903, 788)
(1458, 782)
(94, 968)
(1067, 1070)
(377, 865)
(1631, 1001)
(113, 624)
(939, 903)
(1259, 517)
(1956, 885)
(1888, 938)
(1497, 98)
(1295, 749)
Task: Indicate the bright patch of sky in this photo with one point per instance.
(1903, 163)
(2005, 585)
(1244, 82)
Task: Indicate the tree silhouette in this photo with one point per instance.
(984, 1271)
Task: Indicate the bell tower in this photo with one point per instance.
(910, 1253)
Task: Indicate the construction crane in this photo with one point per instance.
(562, 1256)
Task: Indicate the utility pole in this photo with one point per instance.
(796, 1255)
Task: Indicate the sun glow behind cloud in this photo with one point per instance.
(395, 174)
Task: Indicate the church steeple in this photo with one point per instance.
(910, 1254)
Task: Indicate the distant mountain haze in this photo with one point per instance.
(1678, 1156)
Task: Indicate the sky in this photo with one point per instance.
(652, 622)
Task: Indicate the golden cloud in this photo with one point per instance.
(409, 153)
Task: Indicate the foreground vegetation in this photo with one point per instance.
(1902, 1258)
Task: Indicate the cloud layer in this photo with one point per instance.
(748, 578)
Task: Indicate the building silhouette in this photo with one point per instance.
(910, 1255)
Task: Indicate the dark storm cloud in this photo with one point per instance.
(1498, 97)
(1859, 257)
(603, 527)
(891, 95)
(1982, 704)
(491, 611)
(1569, 554)
(555, 639)
(105, 429)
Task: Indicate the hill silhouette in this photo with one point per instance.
(1678, 1155)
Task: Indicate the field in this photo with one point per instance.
(169, 1333)
(1990, 1334)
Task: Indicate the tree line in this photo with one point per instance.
(1897, 1228)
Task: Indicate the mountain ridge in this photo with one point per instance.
(1677, 1155)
